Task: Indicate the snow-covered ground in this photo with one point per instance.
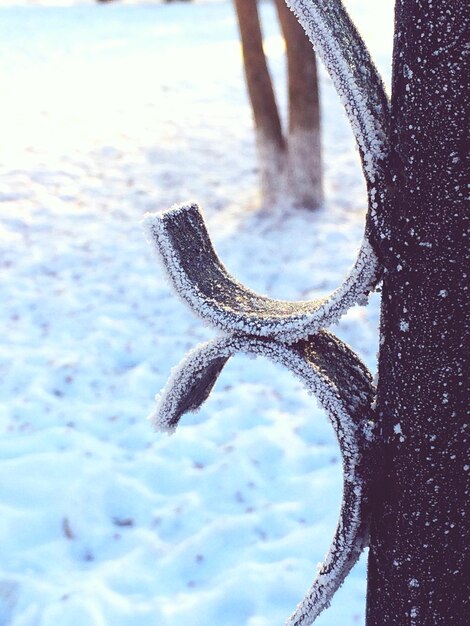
(107, 112)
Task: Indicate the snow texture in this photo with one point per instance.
(342, 385)
(180, 238)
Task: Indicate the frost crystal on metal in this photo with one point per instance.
(293, 333)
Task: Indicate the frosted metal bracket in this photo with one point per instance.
(292, 333)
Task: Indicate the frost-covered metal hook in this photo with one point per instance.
(199, 277)
(291, 333)
(184, 244)
(342, 385)
(258, 325)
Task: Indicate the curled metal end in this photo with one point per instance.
(182, 242)
(342, 384)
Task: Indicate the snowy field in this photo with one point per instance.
(108, 112)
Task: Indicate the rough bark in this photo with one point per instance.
(419, 551)
(304, 144)
(269, 137)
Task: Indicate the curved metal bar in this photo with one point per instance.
(342, 384)
(182, 242)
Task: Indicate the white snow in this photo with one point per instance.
(109, 112)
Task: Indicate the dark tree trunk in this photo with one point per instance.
(269, 137)
(304, 144)
(419, 568)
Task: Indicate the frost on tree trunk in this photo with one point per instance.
(304, 163)
(269, 138)
(419, 552)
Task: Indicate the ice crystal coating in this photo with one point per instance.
(290, 333)
(343, 386)
(199, 277)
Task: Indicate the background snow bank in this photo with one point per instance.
(109, 112)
